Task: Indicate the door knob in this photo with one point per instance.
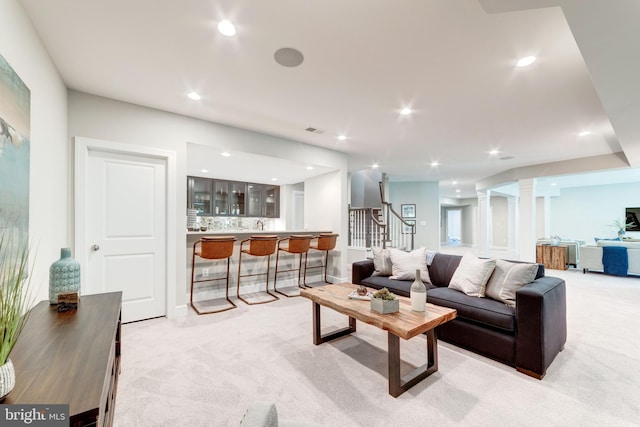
(95, 248)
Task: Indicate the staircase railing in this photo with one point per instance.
(378, 227)
(400, 232)
(365, 228)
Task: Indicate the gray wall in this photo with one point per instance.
(426, 197)
(587, 212)
(365, 189)
(50, 197)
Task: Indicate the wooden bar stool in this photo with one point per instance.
(211, 248)
(261, 245)
(295, 245)
(323, 242)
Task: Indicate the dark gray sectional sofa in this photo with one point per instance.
(527, 336)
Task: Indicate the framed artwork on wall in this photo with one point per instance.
(15, 111)
(408, 211)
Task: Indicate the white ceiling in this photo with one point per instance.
(248, 167)
(449, 60)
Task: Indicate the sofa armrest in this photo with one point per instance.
(361, 270)
(541, 324)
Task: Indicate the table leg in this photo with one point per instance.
(318, 338)
(397, 384)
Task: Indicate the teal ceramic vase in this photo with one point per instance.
(64, 276)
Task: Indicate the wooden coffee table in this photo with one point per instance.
(404, 324)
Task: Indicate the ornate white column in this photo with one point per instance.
(512, 205)
(527, 220)
(546, 232)
(484, 222)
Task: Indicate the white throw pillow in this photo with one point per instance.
(472, 275)
(507, 278)
(405, 264)
(381, 262)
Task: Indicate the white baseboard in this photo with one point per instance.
(179, 311)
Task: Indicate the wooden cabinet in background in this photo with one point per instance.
(199, 195)
(552, 256)
(71, 358)
(218, 197)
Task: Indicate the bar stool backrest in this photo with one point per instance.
(262, 245)
(218, 247)
(327, 241)
(299, 244)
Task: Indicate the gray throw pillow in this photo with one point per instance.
(507, 278)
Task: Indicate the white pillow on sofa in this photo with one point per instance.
(381, 262)
(404, 264)
(472, 275)
(507, 278)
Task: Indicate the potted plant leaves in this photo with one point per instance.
(14, 302)
(384, 302)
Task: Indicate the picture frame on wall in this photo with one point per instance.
(406, 229)
(408, 211)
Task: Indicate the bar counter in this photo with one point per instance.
(208, 268)
(248, 233)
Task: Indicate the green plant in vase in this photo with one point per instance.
(384, 294)
(15, 299)
(384, 301)
(621, 227)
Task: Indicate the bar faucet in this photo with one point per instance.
(261, 224)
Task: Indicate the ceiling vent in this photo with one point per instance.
(314, 130)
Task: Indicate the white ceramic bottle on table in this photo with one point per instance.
(418, 293)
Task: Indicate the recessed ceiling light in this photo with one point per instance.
(458, 195)
(375, 166)
(553, 184)
(405, 111)
(226, 28)
(309, 168)
(457, 190)
(527, 60)
(584, 133)
(194, 95)
(342, 137)
(274, 179)
(225, 154)
(454, 182)
(434, 164)
(494, 152)
(204, 170)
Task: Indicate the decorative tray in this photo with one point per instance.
(354, 295)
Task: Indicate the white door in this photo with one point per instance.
(123, 237)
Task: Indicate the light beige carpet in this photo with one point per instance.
(206, 370)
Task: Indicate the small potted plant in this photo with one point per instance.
(621, 226)
(384, 302)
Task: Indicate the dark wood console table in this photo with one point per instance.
(71, 358)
